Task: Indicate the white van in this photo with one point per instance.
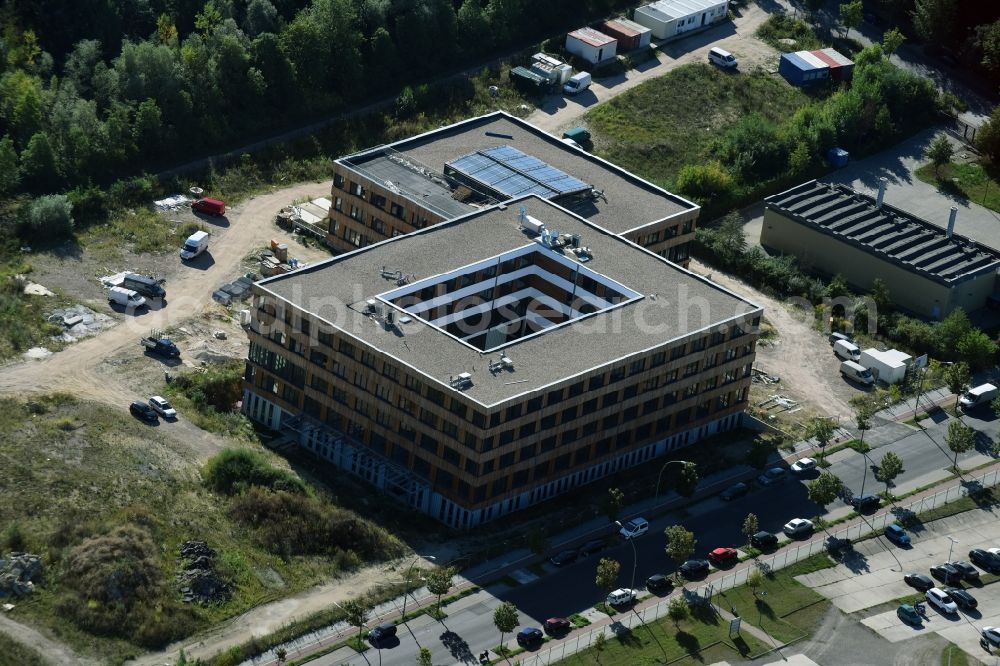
(128, 299)
(846, 351)
(857, 373)
(195, 245)
(722, 58)
(577, 83)
(977, 395)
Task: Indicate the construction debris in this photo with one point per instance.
(779, 403)
(198, 581)
(79, 322)
(761, 377)
(18, 574)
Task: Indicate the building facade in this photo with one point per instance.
(408, 185)
(484, 365)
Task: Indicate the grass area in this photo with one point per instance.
(971, 181)
(953, 655)
(703, 641)
(788, 34)
(789, 609)
(101, 493)
(671, 121)
(578, 620)
(206, 398)
(12, 652)
(976, 500)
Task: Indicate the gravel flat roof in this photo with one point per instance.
(674, 302)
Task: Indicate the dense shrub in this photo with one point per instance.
(701, 181)
(754, 149)
(219, 387)
(235, 470)
(49, 217)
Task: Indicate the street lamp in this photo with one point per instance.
(660, 476)
(951, 547)
(406, 581)
(635, 558)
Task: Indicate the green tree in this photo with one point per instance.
(730, 243)
(166, 31)
(49, 217)
(38, 163)
(826, 488)
(939, 152)
(613, 503)
(424, 658)
(680, 543)
(261, 16)
(750, 526)
(889, 468)
(356, 614)
(934, 20)
(949, 331)
(439, 581)
(977, 349)
(208, 19)
(505, 620)
(837, 287)
(607, 574)
(600, 644)
(821, 429)
(863, 413)
(880, 294)
(281, 653)
(960, 438)
(851, 15)
(704, 181)
(687, 482)
(678, 611)
(957, 377)
(995, 404)
(148, 129)
(9, 177)
(892, 40)
(754, 580)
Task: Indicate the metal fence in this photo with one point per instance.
(788, 556)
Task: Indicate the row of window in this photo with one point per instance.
(668, 233)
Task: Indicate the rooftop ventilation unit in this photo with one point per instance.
(391, 275)
(460, 381)
(370, 306)
(531, 224)
(506, 362)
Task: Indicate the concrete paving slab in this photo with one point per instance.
(335, 658)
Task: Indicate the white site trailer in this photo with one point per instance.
(671, 19)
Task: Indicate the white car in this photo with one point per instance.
(634, 528)
(797, 526)
(621, 596)
(162, 407)
(939, 599)
(991, 635)
(803, 465)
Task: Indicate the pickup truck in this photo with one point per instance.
(161, 346)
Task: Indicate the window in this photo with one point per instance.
(390, 371)
(610, 399)
(412, 384)
(458, 408)
(339, 370)
(610, 421)
(568, 414)
(397, 211)
(616, 375)
(676, 352)
(378, 200)
(637, 367)
(534, 405)
(405, 405)
(659, 358)
(513, 412)
(357, 213)
(590, 406)
(378, 226)
(338, 204)
(688, 227)
(360, 380)
(318, 383)
(318, 357)
(382, 418)
(357, 190)
(338, 181)
(353, 237)
(367, 358)
(325, 338)
(691, 391)
(577, 389)
(382, 392)
(691, 369)
(555, 397)
(650, 406)
(450, 429)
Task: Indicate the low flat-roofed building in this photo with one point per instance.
(832, 229)
(455, 170)
(494, 361)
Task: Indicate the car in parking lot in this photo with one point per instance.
(763, 540)
(985, 560)
(162, 407)
(991, 635)
(865, 503)
(591, 547)
(530, 636)
(734, 491)
(557, 625)
(771, 476)
(659, 583)
(961, 597)
(918, 581)
(798, 527)
(564, 557)
(947, 574)
(908, 614)
(723, 556)
(969, 572)
(694, 568)
(621, 596)
(804, 465)
(142, 411)
(939, 599)
(634, 528)
(897, 535)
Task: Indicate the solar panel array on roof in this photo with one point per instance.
(510, 172)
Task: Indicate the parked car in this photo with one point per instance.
(797, 527)
(734, 491)
(939, 599)
(947, 574)
(128, 299)
(634, 528)
(897, 535)
(564, 557)
(659, 583)
(865, 503)
(693, 568)
(141, 410)
(991, 635)
(961, 597)
(530, 636)
(557, 625)
(771, 476)
(763, 540)
(381, 633)
(591, 547)
(162, 407)
(721, 557)
(804, 465)
(908, 614)
(918, 581)
(985, 560)
(621, 596)
(969, 572)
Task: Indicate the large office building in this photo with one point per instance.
(832, 229)
(493, 361)
(453, 171)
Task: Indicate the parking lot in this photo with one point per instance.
(874, 576)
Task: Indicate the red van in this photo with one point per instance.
(209, 206)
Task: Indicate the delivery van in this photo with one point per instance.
(195, 245)
(977, 395)
(209, 206)
(577, 83)
(846, 351)
(857, 373)
(722, 58)
(126, 298)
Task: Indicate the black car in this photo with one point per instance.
(969, 572)
(381, 633)
(564, 557)
(984, 559)
(961, 597)
(141, 410)
(918, 581)
(557, 625)
(659, 583)
(764, 540)
(734, 491)
(865, 503)
(530, 636)
(591, 547)
(694, 568)
(947, 574)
